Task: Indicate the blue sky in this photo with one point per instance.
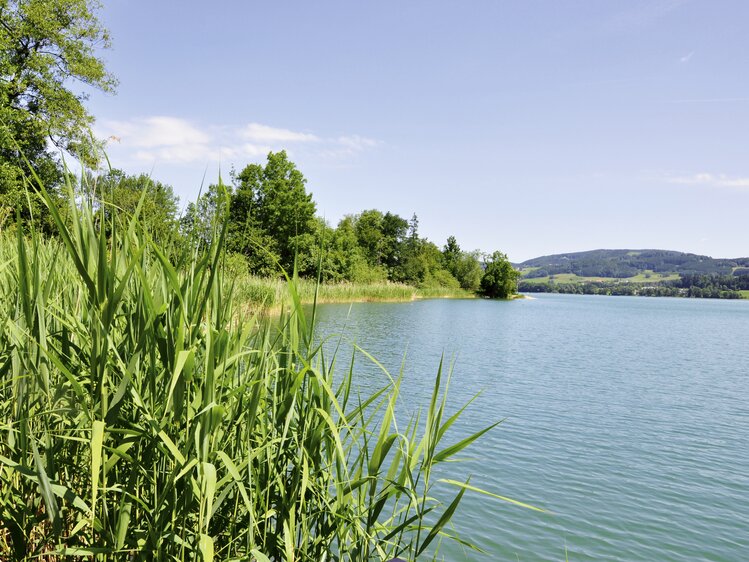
(532, 127)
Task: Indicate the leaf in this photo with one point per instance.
(97, 440)
(467, 486)
(45, 487)
(444, 518)
(448, 452)
(259, 556)
(205, 545)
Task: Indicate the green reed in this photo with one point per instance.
(143, 417)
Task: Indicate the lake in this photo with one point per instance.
(625, 417)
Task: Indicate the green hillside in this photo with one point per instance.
(636, 272)
(634, 265)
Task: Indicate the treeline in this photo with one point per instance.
(688, 285)
(272, 222)
(272, 225)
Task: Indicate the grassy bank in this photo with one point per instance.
(142, 418)
(259, 294)
(744, 294)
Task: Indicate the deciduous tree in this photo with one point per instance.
(47, 47)
(500, 279)
(272, 201)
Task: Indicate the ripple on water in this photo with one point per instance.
(627, 419)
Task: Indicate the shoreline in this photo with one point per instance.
(263, 297)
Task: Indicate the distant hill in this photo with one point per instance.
(630, 263)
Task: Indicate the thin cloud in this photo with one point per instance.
(357, 143)
(257, 133)
(172, 140)
(685, 59)
(711, 180)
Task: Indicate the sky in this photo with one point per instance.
(530, 127)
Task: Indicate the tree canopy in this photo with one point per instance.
(270, 207)
(46, 48)
(120, 194)
(500, 279)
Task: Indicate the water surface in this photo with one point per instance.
(626, 418)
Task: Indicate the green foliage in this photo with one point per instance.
(208, 209)
(394, 231)
(500, 280)
(421, 265)
(120, 194)
(46, 46)
(145, 417)
(272, 223)
(271, 203)
(369, 235)
(451, 253)
(464, 266)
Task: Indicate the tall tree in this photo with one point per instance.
(368, 228)
(46, 47)
(464, 266)
(394, 229)
(451, 254)
(272, 201)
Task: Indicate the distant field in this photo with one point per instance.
(744, 294)
(644, 277)
(647, 276)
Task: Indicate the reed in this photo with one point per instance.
(268, 294)
(262, 294)
(143, 418)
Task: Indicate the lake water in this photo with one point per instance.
(627, 418)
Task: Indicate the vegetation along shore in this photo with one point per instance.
(143, 417)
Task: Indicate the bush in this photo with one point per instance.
(500, 280)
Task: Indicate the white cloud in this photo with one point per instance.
(159, 131)
(712, 180)
(257, 133)
(172, 140)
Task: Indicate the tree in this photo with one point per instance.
(344, 258)
(272, 201)
(394, 230)
(120, 194)
(500, 280)
(451, 254)
(468, 270)
(206, 214)
(368, 227)
(46, 46)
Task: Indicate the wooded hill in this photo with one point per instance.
(630, 263)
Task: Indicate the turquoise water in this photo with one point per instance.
(626, 418)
